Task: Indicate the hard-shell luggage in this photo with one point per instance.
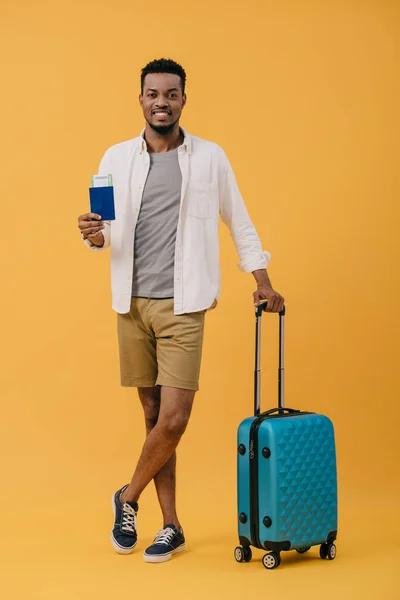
(286, 469)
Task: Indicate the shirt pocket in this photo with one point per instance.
(203, 199)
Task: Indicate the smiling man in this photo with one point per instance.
(170, 188)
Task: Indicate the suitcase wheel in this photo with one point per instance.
(271, 560)
(331, 551)
(243, 554)
(303, 550)
(328, 551)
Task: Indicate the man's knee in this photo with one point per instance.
(174, 426)
(176, 406)
(150, 399)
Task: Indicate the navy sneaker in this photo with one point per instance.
(167, 542)
(124, 533)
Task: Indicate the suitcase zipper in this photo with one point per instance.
(253, 455)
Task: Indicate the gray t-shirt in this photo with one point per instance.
(155, 235)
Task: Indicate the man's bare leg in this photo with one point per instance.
(164, 480)
(159, 447)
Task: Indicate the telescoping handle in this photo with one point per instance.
(257, 378)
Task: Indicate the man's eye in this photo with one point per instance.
(173, 96)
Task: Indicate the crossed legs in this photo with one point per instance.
(166, 412)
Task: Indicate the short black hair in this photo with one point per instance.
(164, 65)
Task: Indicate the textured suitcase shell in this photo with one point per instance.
(297, 483)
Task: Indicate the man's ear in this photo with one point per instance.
(184, 98)
(141, 100)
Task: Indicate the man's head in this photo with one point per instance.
(162, 95)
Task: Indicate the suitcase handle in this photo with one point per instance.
(262, 307)
(259, 310)
(281, 411)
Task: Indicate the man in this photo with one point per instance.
(169, 190)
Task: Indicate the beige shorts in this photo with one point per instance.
(157, 347)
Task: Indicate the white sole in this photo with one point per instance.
(164, 557)
(114, 542)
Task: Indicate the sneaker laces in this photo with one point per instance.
(164, 536)
(128, 518)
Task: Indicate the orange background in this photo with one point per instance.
(303, 97)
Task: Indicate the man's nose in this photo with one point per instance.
(161, 102)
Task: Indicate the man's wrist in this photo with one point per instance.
(262, 278)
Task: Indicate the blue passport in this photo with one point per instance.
(102, 202)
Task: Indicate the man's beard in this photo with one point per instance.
(163, 129)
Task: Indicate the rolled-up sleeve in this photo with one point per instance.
(235, 215)
(104, 169)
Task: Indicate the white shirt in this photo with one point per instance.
(209, 189)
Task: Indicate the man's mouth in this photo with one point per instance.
(161, 114)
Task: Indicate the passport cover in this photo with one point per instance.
(102, 202)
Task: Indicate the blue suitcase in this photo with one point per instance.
(286, 469)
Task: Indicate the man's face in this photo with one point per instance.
(162, 101)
